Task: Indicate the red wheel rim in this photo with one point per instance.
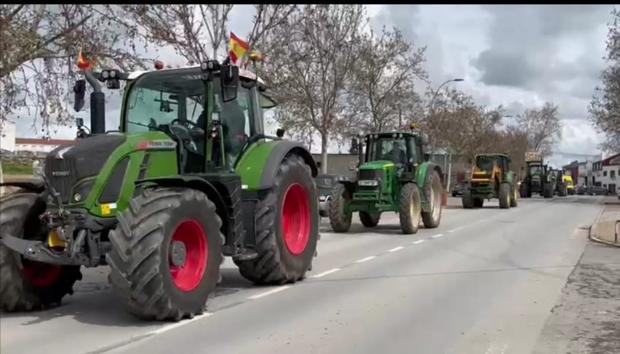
(40, 274)
(296, 219)
(188, 274)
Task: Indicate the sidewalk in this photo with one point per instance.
(606, 228)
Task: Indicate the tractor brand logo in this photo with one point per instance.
(157, 144)
(60, 173)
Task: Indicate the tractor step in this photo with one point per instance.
(245, 254)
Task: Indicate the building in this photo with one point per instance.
(607, 173)
(581, 172)
(39, 146)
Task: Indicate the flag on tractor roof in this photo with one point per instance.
(82, 61)
(237, 48)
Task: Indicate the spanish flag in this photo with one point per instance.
(82, 61)
(237, 49)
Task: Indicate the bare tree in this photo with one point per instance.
(312, 60)
(543, 127)
(605, 106)
(39, 46)
(383, 82)
(199, 32)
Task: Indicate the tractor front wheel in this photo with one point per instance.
(434, 193)
(339, 218)
(166, 253)
(514, 198)
(504, 195)
(410, 208)
(548, 190)
(368, 219)
(27, 285)
(478, 202)
(467, 200)
(287, 229)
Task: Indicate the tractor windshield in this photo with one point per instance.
(388, 148)
(158, 100)
(535, 169)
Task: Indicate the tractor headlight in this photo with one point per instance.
(81, 191)
(105, 74)
(368, 182)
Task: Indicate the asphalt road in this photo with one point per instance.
(484, 281)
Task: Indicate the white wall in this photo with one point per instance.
(7, 136)
(35, 147)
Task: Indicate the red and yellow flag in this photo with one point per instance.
(82, 62)
(237, 48)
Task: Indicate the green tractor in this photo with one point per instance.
(189, 177)
(559, 185)
(395, 175)
(537, 180)
(490, 177)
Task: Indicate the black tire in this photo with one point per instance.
(47, 284)
(410, 208)
(562, 192)
(434, 194)
(276, 262)
(547, 190)
(466, 199)
(140, 258)
(338, 218)
(514, 200)
(478, 202)
(369, 220)
(525, 191)
(504, 195)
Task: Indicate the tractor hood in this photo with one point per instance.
(377, 165)
(68, 164)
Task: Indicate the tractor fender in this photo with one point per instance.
(192, 182)
(280, 151)
(32, 186)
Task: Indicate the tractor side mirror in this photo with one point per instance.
(80, 91)
(79, 122)
(280, 132)
(230, 82)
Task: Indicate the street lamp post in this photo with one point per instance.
(431, 114)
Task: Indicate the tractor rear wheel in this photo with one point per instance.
(504, 195)
(28, 285)
(410, 208)
(339, 218)
(368, 219)
(166, 253)
(287, 229)
(547, 190)
(434, 193)
(514, 200)
(467, 200)
(478, 202)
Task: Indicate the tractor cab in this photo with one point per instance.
(404, 150)
(488, 167)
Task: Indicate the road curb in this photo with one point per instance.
(614, 239)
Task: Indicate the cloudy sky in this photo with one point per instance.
(517, 56)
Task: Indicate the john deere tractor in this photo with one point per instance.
(537, 180)
(395, 175)
(490, 177)
(189, 177)
(559, 185)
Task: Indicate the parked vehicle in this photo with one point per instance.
(324, 184)
(457, 189)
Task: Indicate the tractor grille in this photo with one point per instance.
(61, 174)
(377, 175)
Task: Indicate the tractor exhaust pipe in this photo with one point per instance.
(97, 105)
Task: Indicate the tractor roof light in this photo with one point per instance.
(209, 65)
(105, 74)
(112, 74)
(159, 64)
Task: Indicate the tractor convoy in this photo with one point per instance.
(190, 177)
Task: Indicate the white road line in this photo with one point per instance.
(327, 272)
(365, 259)
(267, 293)
(417, 242)
(396, 249)
(181, 323)
(456, 229)
(437, 236)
